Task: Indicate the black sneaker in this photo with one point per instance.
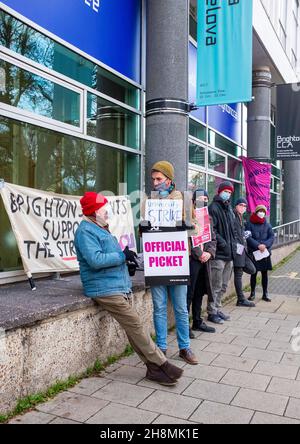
(266, 298)
(204, 328)
(215, 319)
(223, 316)
(252, 296)
(245, 303)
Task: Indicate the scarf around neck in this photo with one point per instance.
(254, 219)
(97, 221)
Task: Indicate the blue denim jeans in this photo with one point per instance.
(178, 296)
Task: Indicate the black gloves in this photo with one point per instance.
(131, 261)
(130, 256)
(131, 268)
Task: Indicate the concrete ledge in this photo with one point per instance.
(56, 332)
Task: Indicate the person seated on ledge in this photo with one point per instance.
(105, 278)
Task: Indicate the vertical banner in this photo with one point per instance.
(224, 69)
(288, 122)
(258, 183)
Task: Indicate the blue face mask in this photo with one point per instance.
(225, 196)
(163, 189)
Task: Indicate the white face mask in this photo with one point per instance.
(261, 214)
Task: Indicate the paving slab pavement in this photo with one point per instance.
(249, 373)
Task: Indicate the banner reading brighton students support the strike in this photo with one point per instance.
(166, 258)
(258, 183)
(224, 65)
(45, 223)
(288, 122)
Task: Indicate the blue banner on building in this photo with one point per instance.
(108, 30)
(200, 113)
(224, 70)
(225, 119)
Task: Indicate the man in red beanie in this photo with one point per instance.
(105, 278)
(223, 221)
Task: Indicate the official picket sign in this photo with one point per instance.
(44, 225)
(166, 258)
(203, 234)
(163, 212)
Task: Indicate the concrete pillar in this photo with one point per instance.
(259, 114)
(291, 193)
(167, 86)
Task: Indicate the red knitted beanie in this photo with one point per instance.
(92, 202)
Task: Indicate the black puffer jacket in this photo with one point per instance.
(224, 226)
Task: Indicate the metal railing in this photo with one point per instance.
(287, 233)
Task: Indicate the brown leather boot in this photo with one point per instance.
(156, 374)
(188, 356)
(172, 370)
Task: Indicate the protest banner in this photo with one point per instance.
(203, 230)
(163, 212)
(258, 183)
(44, 225)
(166, 258)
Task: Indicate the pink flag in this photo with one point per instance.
(258, 183)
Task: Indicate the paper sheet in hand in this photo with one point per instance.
(240, 249)
(258, 255)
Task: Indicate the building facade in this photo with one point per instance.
(93, 91)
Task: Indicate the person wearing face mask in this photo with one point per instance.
(224, 226)
(241, 259)
(163, 187)
(262, 239)
(105, 279)
(200, 270)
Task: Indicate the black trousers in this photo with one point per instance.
(238, 283)
(195, 296)
(265, 281)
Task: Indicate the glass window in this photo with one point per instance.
(238, 192)
(213, 185)
(275, 216)
(197, 130)
(235, 168)
(38, 95)
(216, 162)
(30, 43)
(223, 144)
(196, 180)
(193, 19)
(276, 185)
(197, 154)
(273, 143)
(73, 166)
(276, 171)
(111, 122)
